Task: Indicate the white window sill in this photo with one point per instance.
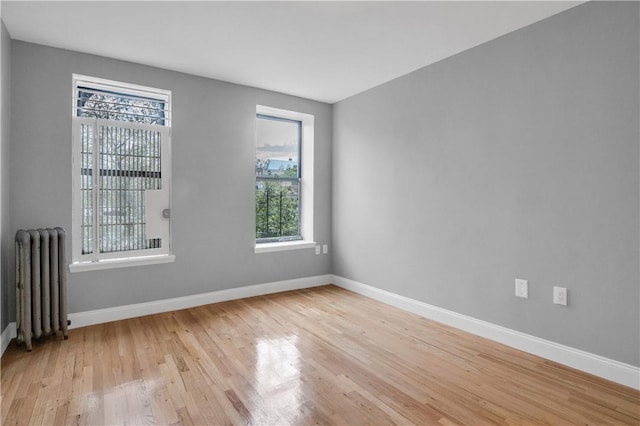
(121, 263)
(284, 246)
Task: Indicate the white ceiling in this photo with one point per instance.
(325, 51)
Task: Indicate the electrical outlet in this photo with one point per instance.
(325, 248)
(560, 296)
(318, 250)
(522, 288)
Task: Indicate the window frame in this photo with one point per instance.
(107, 260)
(306, 177)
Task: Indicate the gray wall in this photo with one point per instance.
(515, 159)
(5, 235)
(213, 155)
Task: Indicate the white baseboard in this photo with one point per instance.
(99, 316)
(8, 334)
(606, 368)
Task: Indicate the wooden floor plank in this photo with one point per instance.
(316, 356)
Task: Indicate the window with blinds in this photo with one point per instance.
(121, 139)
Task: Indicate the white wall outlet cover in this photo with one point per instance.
(317, 249)
(522, 288)
(325, 248)
(560, 296)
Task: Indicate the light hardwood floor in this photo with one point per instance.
(322, 355)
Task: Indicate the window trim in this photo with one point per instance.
(109, 260)
(283, 246)
(306, 181)
(121, 262)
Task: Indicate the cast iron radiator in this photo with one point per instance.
(41, 284)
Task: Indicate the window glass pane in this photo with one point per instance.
(130, 164)
(277, 209)
(277, 179)
(86, 187)
(277, 147)
(120, 107)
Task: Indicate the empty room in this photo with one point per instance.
(320, 212)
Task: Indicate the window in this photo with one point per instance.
(121, 171)
(284, 179)
(277, 179)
